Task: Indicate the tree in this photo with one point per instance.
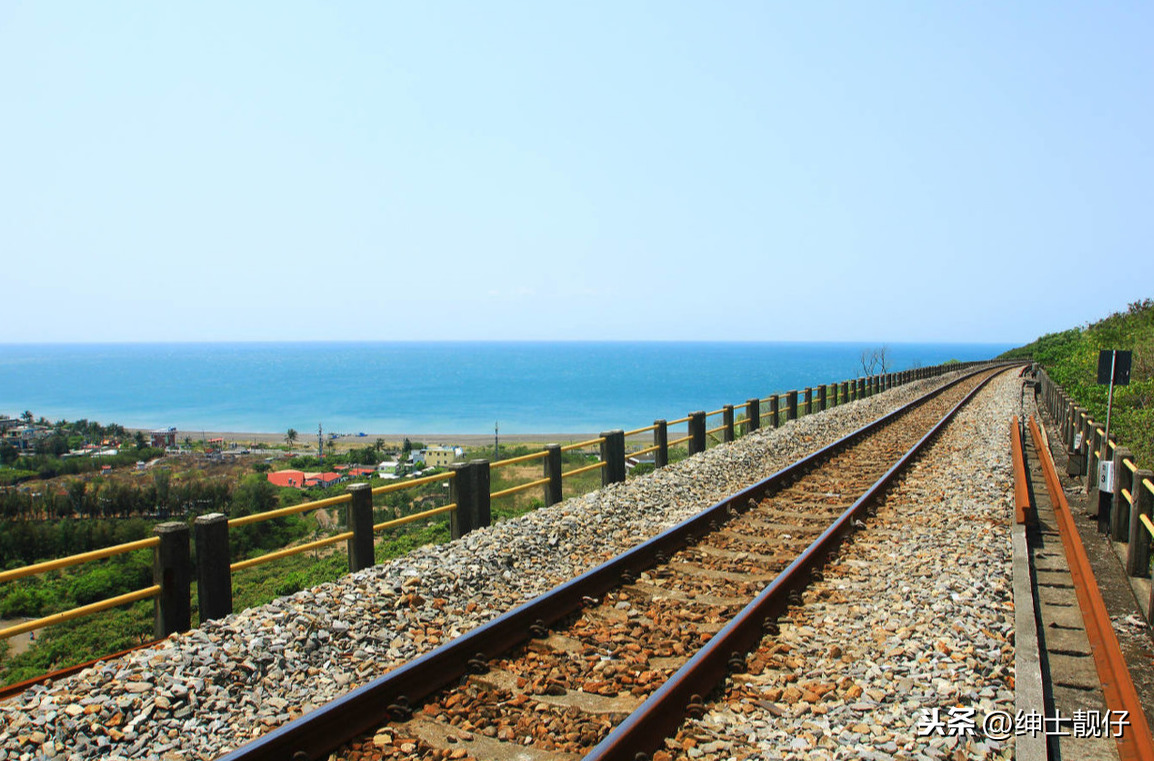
(27, 417)
(291, 436)
(138, 439)
(875, 361)
(8, 454)
(378, 445)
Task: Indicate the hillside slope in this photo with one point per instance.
(1071, 359)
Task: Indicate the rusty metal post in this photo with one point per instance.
(213, 575)
(172, 570)
(752, 415)
(360, 520)
(1138, 558)
(661, 441)
(613, 455)
(727, 420)
(553, 473)
(696, 432)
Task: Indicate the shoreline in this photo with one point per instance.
(390, 439)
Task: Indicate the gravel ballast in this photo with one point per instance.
(915, 614)
(202, 693)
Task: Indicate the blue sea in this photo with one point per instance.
(441, 387)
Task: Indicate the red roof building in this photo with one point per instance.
(294, 478)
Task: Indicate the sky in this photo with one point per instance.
(888, 171)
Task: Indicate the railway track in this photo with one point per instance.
(606, 665)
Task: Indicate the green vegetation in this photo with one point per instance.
(1071, 359)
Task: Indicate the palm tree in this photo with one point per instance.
(291, 436)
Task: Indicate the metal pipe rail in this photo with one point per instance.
(318, 732)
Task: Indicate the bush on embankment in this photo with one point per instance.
(1071, 359)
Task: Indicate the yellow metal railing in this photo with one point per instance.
(582, 444)
(87, 610)
(519, 488)
(84, 557)
(586, 469)
(517, 460)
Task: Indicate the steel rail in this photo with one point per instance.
(647, 727)
(317, 733)
(1117, 686)
(1021, 488)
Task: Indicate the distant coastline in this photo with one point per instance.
(460, 388)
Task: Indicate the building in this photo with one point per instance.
(163, 438)
(389, 469)
(434, 457)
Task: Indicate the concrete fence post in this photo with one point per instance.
(791, 405)
(845, 392)
(1092, 459)
(613, 455)
(861, 388)
(553, 473)
(172, 570)
(213, 575)
(727, 420)
(469, 490)
(1138, 559)
(661, 441)
(775, 410)
(360, 520)
(696, 432)
(822, 398)
(752, 415)
(1120, 514)
(808, 401)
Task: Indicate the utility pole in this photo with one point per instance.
(496, 442)
(320, 443)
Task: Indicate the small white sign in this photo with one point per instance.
(1106, 476)
(1077, 441)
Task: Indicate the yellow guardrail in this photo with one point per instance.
(289, 552)
(1148, 484)
(647, 450)
(582, 444)
(715, 430)
(517, 460)
(522, 487)
(637, 431)
(84, 557)
(402, 485)
(1149, 526)
(86, 610)
(679, 421)
(303, 507)
(414, 517)
(715, 412)
(586, 469)
(682, 440)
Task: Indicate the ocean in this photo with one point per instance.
(438, 387)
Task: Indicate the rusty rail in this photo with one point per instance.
(1108, 659)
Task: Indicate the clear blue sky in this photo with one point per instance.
(917, 171)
